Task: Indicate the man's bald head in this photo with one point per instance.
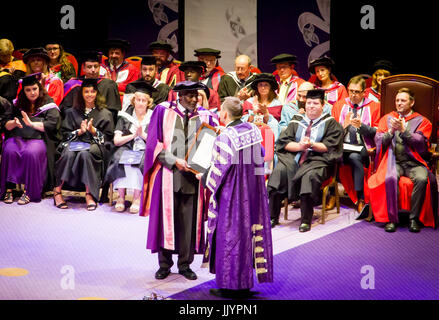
(242, 66)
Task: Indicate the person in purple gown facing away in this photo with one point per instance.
(239, 230)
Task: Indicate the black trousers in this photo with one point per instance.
(419, 177)
(354, 159)
(185, 212)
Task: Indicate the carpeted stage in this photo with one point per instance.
(52, 254)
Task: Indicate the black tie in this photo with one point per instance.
(352, 129)
(186, 128)
(305, 152)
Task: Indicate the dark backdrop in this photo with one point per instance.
(405, 33)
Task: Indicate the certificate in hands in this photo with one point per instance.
(199, 155)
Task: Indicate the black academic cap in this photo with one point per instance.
(31, 79)
(316, 94)
(265, 77)
(284, 57)
(322, 61)
(383, 64)
(199, 65)
(207, 51)
(188, 85)
(118, 43)
(160, 45)
(143, 86)
(148, 60)
(36, 52)
(90, 82)
(90, 56)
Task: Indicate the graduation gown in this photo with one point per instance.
(287, 173)
(87, 167)
(239, 231)
(125, 123)
(159, 96)
(49, 114)
(383, 185)
(212, 80)
(161, 179)
(107, 88)
(230, 85)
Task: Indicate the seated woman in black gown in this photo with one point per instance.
(86, 128)
(125, 170)
(31, 131)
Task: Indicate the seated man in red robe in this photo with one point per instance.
(213, 73)
(359, 117)
(121, 71)
(168, 67)
(402, 141)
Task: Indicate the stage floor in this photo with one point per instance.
(52, 254)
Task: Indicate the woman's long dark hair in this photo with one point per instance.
(24, 103)
(80, 102)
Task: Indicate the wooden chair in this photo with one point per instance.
(426, 91)
(330, 182)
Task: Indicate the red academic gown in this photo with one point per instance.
(294, 85)
(274, 110)
(171, 75)
(123, 75)
(372, 94)
(215, 75)
(385, 200)
(369, 116)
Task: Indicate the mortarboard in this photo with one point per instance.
(316, 94)
(31, 79)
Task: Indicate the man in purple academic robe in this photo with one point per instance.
(239, 231)
(171, 195)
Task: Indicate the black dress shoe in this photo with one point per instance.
(364, 213)
(414, 226)
(188, 274)
(162, 273)
(274, 222)
(390, 227)
(232, 294)
(304, 227)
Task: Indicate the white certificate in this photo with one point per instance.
(351, 147)
(203, 154)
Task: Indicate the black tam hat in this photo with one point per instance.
(198, 65)
(36, 52)
(118, 43)
(284, 57)
(207, 51)
(188, 85)
(160, 45)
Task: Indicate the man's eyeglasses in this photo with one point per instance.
(354, 91)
